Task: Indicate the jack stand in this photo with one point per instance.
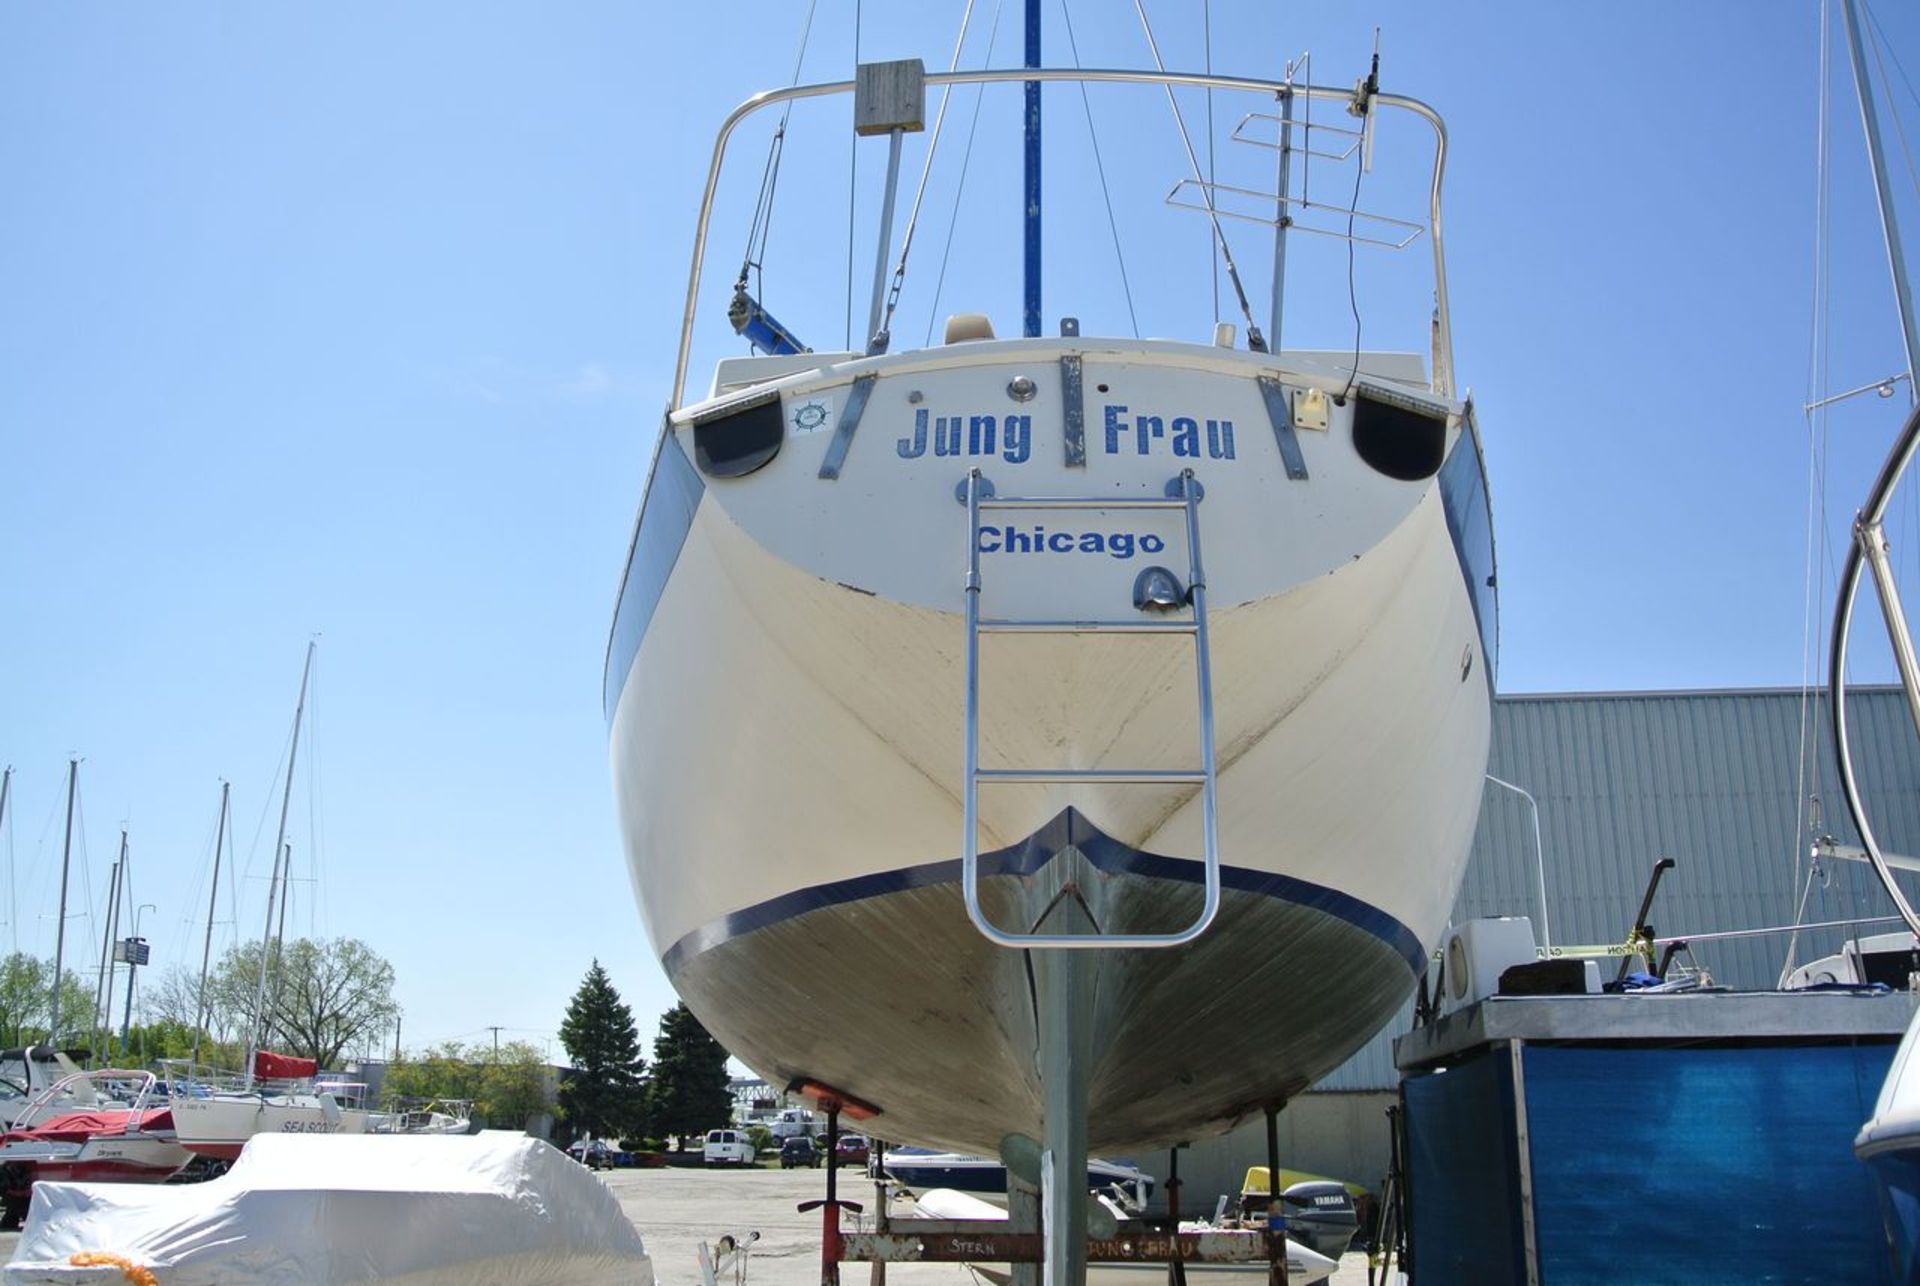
(882, 1214)
(1276, 1209)
(830, 1247)
(1065, 993)
(1176, 1267)
(1023, 1215)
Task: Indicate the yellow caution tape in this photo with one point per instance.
(1577, 952)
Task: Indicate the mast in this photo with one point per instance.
(1282, 217)
(1889, 222)
(1870, 550)
(6, 789)
(60, 932)
(286, 896)
(274, 881)
(1031, 327)
(103, 989)
(206, 951)
(113, 935)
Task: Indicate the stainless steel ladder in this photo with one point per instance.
(1183, 493)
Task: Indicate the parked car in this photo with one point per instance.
(852, 1150)
(727, 1147)
(798, 1149)
(592, 1153)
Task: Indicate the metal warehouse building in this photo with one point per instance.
(1733, 785)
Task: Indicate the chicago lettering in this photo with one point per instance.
(1038, 540)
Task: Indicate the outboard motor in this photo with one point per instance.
(1321, 1216)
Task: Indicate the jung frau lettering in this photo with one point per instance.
(1123, 433)
(1182, 436)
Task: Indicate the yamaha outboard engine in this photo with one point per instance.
(1321, 1217)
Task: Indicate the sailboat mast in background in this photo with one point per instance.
(275, 883)
(206, 951)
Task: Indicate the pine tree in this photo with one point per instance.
(689, 1093)
(604, 1096)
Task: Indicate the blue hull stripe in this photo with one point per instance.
(1070, 828)
(666, 515)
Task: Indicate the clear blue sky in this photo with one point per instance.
(358, 320)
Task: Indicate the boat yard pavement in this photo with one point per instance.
(676, 1210)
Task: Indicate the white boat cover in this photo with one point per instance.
(497, 1208)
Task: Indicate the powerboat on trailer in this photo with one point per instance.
(1304, 1264)
(922, 1170)
(110, 1124)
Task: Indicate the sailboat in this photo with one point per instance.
(216, 1111)
(919, 684)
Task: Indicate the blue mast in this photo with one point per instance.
(1031, 328)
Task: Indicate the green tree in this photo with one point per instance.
(603, 1097)
(23, 995)
(506, 1089)
(515, 1086)
(689, 1091)
(321, 996)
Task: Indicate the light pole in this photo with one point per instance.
(1539, 855)
(136, 948)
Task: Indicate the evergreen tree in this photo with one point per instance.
(603, 1097)
(689, 1092)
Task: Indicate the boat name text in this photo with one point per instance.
(1011, 436)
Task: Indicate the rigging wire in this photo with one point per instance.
(1899, 127)
(314, 810)
(926, 171)
(1812, 629)
(1213, 176)
(1106, 192)
(762, 224)
(960, 187)
(1254, 339)
(1880, 41)
(853, 178)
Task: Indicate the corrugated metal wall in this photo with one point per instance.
(1710, 779)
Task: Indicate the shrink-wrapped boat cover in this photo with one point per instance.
(496, 1207)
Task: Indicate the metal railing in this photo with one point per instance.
(1443, 379)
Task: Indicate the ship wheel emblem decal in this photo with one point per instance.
(810, 417)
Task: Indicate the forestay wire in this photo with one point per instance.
(926, 169)
(762, 225)
(1100, 167)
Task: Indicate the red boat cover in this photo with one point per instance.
(78, 1127)
(269, 1066)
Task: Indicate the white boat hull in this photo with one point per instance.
(218, 1126)
(787, 734)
